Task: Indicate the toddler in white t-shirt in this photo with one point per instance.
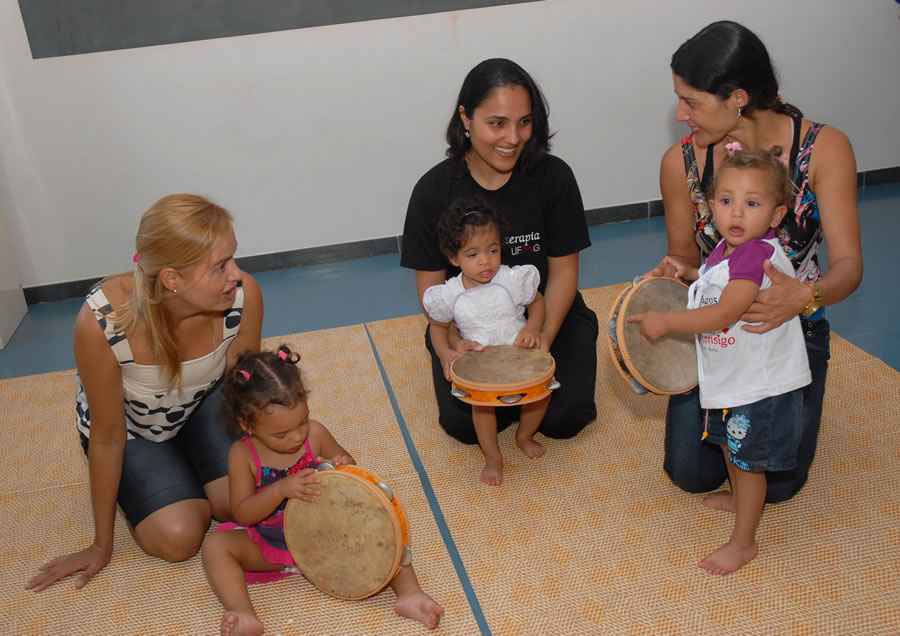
(750, 383)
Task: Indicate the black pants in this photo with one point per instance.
(698, 467)
(572, 405)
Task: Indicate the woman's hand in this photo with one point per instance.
(653, 324)
(671, 267)
(85, 563)
(779, 303)
(303, 484)
(528, 339)
(665, 269)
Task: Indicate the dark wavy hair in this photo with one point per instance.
(481, 80)
(765, 160)
(259, 379)
(458, 222)
(726, 56)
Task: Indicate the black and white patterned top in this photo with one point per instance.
(153, 410)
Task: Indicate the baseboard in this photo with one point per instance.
(391, 244)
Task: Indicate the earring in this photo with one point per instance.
(740, 114)
(466, 133)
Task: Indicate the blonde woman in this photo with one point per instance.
(151, 347)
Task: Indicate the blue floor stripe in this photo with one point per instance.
(429, 494)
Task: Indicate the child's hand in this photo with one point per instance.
(528, 339)
(303, 485)
(460, 348)
(653, 324)
(341, 459)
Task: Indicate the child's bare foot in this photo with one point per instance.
(492, 473)
(419, 607)
(530, 447)
(237, 624)
(722, 500)
(729, 558)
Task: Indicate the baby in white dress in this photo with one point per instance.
(489, 314)
(487, 302)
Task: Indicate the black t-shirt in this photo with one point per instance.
(542, 206)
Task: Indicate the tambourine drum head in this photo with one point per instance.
(348, 542)
(504, 364)
(670, 364)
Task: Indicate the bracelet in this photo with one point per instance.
(815, 303)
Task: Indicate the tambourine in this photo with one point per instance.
(351, 541)
(665, 367)
(503, 375)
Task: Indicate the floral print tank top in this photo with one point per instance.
(800, 233)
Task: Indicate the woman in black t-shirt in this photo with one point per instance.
(498, 138)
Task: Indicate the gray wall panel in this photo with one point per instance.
(69, 27)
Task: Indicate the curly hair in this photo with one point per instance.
(261, 378)
(458, 222)
(766, 160)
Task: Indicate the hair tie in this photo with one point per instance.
(136, 258)
(733, 147)
(282, 355)
(243, 373)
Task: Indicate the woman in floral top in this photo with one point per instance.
(728, 96)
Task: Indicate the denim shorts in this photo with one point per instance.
(761, 436)
(158, 474)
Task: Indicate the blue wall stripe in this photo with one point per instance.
(429, 494)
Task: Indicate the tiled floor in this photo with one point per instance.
(364, 290)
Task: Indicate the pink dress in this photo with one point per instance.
(268, 534)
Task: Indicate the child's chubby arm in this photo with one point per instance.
(326, 447)
(250, 506)
(736, 298)
(530, 336)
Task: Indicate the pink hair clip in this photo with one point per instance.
(733, 147)
(282, 355)
(135, 258)
(244, 374)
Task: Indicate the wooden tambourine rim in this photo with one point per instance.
(487, 394)
(401, 525)
(626, 297)
(615, 351)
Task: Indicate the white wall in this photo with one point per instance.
(316, 136)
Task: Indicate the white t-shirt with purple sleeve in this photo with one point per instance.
(737, 367)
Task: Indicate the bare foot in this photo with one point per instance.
(237, 624)
(419, 607)
(729, 558)
(492, 473)
(530, 447)
(722, 500)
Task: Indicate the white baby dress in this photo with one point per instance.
(490, 314)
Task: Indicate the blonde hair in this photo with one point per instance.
(768, 161)
(178, 231)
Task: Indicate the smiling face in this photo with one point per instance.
(280, 428)
(709, 117)
(211, 284)
(499, 128)
(479, 256)
(745, 205)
